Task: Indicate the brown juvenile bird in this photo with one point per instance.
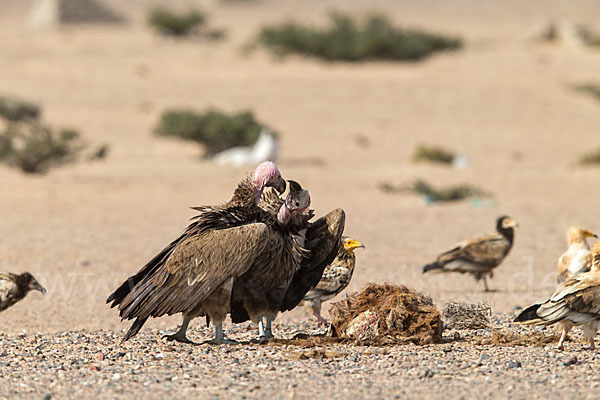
(574, 302)
(336, 278)
(577, 258)
(478, 256)
(14, 288)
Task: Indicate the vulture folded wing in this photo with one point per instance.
(577, 300)
(323, 240)
(197, 266)
(486, 250)
(150, 268)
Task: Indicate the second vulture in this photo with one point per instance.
(478, 256)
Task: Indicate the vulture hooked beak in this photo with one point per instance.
(587, 233)
(280, 185)
(35, 285)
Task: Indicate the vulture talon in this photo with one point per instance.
(178, 338)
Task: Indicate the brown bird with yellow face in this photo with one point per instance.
(14, 288)
(478, 256)
(575, 302)
(336, 278)
(577, 258)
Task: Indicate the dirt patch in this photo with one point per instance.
(505, 338)
(319, 354)
(385, 314)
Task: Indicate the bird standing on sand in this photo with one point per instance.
(194, 274)
(574, 302)
(14, 288)
(336, 278)
(478, 256)
(577, 258)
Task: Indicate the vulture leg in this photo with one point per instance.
(566, 329)
(264, 331)
(261, 327)
(179, 336)
(487, 289)
(317, 314)
(220, 337)
(589, 331)
(268, 329)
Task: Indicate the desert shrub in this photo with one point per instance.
(13, 109)
(214, 129)
(434, 154)
(433, 194)
(35, 148)
(590, 89)
(176, 24)
(592, 157)
(373, 37)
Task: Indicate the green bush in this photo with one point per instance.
(214, 129)
(590, 158)
(372, 38)
(35, 148)
(432, 194)
(434, 154)
(589, 88)
(13, 109)
(176, 24)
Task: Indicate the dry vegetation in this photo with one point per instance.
(371, 38)
(214, 129)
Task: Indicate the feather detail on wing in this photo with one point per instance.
(487, 250)
(195, 268)
(576, 300)
(322, 239)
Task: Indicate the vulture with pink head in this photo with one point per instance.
(259, 294)
(194, 274)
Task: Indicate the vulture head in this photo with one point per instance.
(576, 234)
(351, 244)
(28, 282)
(505, 224)
(267, 175)
(297, 200)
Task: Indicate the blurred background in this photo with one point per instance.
(424, 120)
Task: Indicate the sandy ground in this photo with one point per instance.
(504, 101)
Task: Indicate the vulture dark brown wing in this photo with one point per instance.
(323, 240)
(197, 266)
(150, 268)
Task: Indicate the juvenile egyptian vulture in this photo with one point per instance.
(14, 288)
(577, 258)
(336, 278)
(194, 274)
(478, 256)
(574, 302)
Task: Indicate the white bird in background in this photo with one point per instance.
(265, 148)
